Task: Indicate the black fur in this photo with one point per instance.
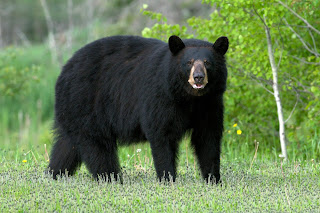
(125, 89)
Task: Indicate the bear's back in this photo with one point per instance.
(118, 47)
(102, 77)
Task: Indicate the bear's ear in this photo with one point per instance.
(175, 44)
(221, 45)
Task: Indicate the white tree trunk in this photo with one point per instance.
(52, 41)
(276, 94)
(1, 41)
(70, 30)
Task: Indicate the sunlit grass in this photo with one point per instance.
(262, 187)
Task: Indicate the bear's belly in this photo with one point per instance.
(128, 136)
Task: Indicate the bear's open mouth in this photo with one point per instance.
(198, 86)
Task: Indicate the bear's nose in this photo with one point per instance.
(198, 77)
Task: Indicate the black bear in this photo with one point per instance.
(125, 89)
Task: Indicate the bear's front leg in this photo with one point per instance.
(207, 145)
(164, 155)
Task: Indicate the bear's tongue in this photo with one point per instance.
(198, 86)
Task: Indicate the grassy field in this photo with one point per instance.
(249, 185)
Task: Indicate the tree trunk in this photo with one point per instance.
(52, 41)
(1, 40)
(70, 30)
(276, 94)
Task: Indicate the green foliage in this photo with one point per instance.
(15, 80)
(24, 116)
(153, 15)
(250, 77)
(249, 50)
(161, 31)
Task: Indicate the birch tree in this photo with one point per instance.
(50, 26)
(276, 92)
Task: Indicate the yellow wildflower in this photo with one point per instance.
(239, 132)
(234, 125)
(24, 161)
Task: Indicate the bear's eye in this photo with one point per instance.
(190, 62)
(207, 63)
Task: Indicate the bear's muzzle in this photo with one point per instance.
(198, 78)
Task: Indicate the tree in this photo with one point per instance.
(52, 40)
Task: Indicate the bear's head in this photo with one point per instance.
(201, 65)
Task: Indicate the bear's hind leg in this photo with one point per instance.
(101, 159)
(65, 158)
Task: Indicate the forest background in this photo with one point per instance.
(38, 37)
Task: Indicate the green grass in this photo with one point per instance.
(263, 186)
